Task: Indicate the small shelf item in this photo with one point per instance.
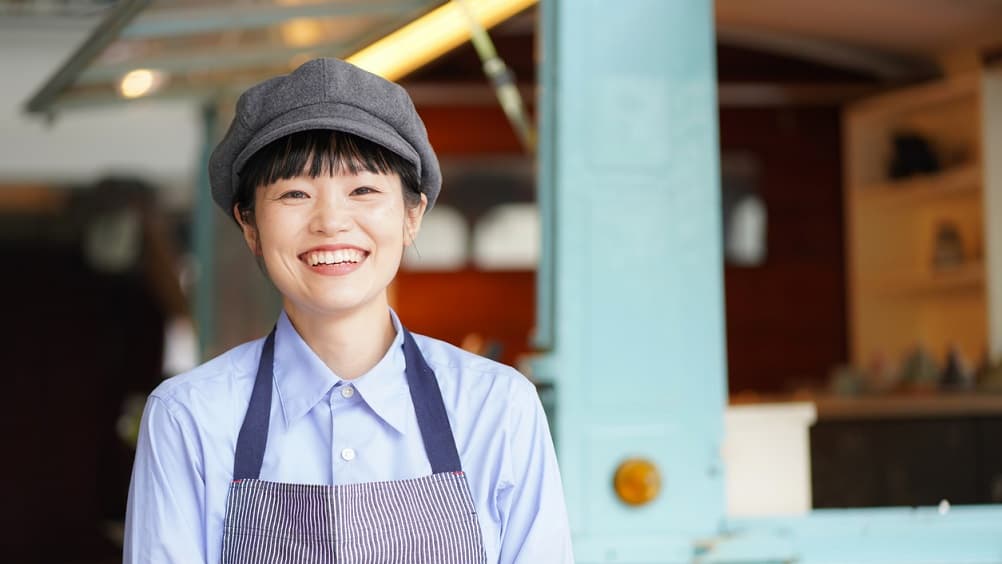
(948, 249)
(913, 155)
(920, 372)
(956, 375)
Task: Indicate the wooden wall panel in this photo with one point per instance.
(786, 319)
(499, 306)
(469, 130)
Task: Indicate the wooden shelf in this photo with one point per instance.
(919, 98)
(938, 404)
(969, 277)
(887, 406)
(895, 297)
(961, 181)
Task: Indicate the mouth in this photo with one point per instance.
(348, 256)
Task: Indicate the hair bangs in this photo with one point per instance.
(319, 152)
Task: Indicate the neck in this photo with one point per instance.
(349, 343)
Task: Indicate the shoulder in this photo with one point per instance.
(473, 379)
(213, 384)
(451, 362)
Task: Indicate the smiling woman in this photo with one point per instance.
(379, 445)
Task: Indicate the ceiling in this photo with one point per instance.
(210, 46)
(905, 27)
(892, 39)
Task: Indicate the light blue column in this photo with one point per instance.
(632, 298)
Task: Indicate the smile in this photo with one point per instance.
(340, 256)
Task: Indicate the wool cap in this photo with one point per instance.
(323, 94)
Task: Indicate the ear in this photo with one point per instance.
(412, 223)
(249, 232)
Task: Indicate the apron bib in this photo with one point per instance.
(419, 521)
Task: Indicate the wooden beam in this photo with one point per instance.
(879, 64)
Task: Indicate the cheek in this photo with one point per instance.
(387, 220)
(273, 223)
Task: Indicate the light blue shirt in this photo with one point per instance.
(325, 430)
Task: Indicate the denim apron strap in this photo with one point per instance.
(439, 442)
(254, 432)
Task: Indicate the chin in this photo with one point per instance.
(333, 305)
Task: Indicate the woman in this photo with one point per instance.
(341, 436)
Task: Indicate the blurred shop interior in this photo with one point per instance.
(863, 264)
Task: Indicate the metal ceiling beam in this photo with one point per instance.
(105, 33)
(877, 63)
(211, 61)
(189, 22)
(201, 94)
(76, 9)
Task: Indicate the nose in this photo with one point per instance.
(330, 216)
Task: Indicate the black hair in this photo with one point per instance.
(321, 151)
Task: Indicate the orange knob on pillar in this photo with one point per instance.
(637, 481)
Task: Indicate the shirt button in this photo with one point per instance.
(347, 392)
(348, 454)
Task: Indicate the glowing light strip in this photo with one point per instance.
(431, 36)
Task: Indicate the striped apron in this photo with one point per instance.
(421, 521)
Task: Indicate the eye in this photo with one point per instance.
(294, 195)
(363, 190)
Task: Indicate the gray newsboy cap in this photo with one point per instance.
(323, 94)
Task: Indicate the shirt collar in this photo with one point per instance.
(384, 387)
(303, 379)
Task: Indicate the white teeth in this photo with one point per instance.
(334, 257)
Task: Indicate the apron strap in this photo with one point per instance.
(439, 442)
(254, 432)
(432, 419)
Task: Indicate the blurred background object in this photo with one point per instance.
(93, 281)
(745, 217)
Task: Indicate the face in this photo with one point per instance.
(332, 244)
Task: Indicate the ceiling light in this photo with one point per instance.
(431, 36)
(141, 82)
(301, 32)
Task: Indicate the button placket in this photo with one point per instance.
(341, 397)
(334, 398)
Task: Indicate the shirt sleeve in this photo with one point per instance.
(164, 520)
(534, 525)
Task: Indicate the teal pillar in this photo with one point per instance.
(631, 291)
